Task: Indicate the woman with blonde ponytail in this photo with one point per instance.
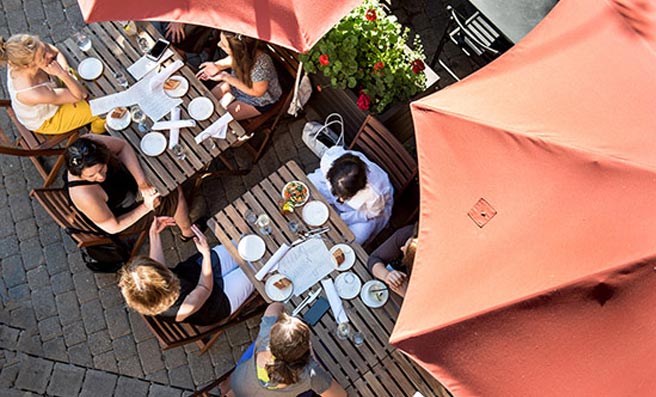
(44, 94)
(283, 364)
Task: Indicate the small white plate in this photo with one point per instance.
(348, 285)
(349, 257)
(315, 213)
(251, 248)
(153, 144)
(118, 124)
(180, 90)
(374, 299)
(293, 184)
(276, 294)
(200, 108)
(90, 68)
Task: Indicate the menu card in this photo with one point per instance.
(306, 264)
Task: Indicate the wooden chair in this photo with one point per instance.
(171, 334)
(35, 145)
(55, 202)
(286, 62)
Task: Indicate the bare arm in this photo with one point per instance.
(156, 249)
(258, 89)
(208, 70)
(127, 156)
(197, 298)
(92, 201)
(335, 390)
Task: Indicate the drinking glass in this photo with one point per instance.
(138, 116)
(207, 136)
(264, 223)
(144, 46)
(343, 331)
(179, 152)
(358, 338)
(293, 226)
(251, 217)
(120, 79)
(83, 41)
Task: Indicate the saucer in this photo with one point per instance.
(315, 213)
(348, 285)
(251, 248)
(180, 90)
(90, 68)
(200, 108)
(153, 144)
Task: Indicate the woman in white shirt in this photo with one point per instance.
(358, 189)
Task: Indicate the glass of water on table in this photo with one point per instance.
(83, 41)
(264, 223)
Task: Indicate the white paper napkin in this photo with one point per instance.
(334, 300)
(174, 133)
(177, 124)
(144, 65)
(273, 261)
(159, 79)
(218, 129)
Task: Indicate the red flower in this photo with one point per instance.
(378, 66)
(371, 14)
(323, 59)
(417, 66)
(363, 101)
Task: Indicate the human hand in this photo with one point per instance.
(151, 200)
(53, 68)
(175, 31)
(207, 70)
(222, 76)
(395, 278)
(200, 240)
(160, 223)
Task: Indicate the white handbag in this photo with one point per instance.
(320, 137)
(302, 92)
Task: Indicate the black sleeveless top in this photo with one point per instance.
(119, 185)
(217, 305)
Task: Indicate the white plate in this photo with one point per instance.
(180, 90)
(276, 294)
(90, 68)
(200, 108)
(315, 213)
(305, 199)
(120, 123)
(251, 248)
(374, 299)
(153, 144)
(349, 257)
(348, 285)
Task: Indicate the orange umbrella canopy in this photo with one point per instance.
(555, 294)
(297, 25)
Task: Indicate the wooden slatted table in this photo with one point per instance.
(350, 365)
(118, 51)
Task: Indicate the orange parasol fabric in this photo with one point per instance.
(555, 294)
(297, 25)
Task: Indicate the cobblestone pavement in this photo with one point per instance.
(65, 331)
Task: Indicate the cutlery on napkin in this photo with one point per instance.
(217, 129)
(273, 261)
(309, 299)
(334, 300)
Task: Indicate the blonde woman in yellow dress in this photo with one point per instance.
(44, 95)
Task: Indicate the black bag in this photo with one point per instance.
(106, 258)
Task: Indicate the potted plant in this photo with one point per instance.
(367, 51)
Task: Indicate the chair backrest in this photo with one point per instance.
(171, 334)
(381, 147)
(56, 203)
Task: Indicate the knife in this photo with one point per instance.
(307, 301)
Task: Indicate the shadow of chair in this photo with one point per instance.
(172, 334)
(35, 145)
(85, 234)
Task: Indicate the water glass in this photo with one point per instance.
(144, 46)
(343, 331)
(251, 217)
(264, 223)
(138, 116)
(179, 152)
(83, 41)
(207, 136)
(293, 226)
(358, 338)
(121, 79)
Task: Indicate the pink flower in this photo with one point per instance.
(371, 14)
(323, 59)
(417, 66)
(363, 101)
(378, 66)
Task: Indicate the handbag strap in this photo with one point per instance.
(336, 118)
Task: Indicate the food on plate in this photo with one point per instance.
(287, 207)
(295, 192)
(338, 254)
(282, 283)
(117, 113)
(171, 84)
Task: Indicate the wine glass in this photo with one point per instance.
(343, 331)
(264, 223)
(209, 137)
(144, 46)
(83, 41)
(138, 116)
(179, 152)
(121, 79)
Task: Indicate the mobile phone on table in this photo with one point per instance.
(317, 311)
(158, 50)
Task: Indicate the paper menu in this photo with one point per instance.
(306, 264)
(144, 65)
(106, 103)
(155, 104)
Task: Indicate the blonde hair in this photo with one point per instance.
(410, 252)
(148, 286)
(289, 343)
(19, 50)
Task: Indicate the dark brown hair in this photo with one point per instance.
(289, 342)
(85, 153)
(347, 176)
(244, 55)
(409, 257)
